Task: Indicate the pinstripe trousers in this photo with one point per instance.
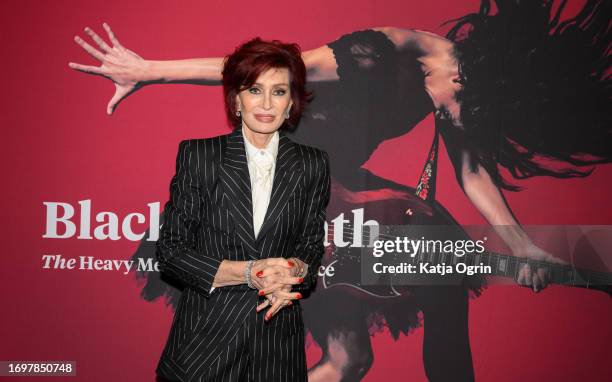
(257, 354)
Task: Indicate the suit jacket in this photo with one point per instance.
(209, 219)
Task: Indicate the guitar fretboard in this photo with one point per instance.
(500, 264)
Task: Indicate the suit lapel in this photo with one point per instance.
(234, 175)
(287, 175)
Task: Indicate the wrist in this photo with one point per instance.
(248, 274)
(515, 238)
(150, 71)
(521, 247)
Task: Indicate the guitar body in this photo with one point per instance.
(361, 309)
(353, 218)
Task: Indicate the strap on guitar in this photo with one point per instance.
(426, 188)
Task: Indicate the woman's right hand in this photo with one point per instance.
(125, 68)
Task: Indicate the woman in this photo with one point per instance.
(501, 87)
(243, 226)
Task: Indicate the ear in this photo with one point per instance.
(238, 106)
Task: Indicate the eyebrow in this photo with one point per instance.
(279, 84)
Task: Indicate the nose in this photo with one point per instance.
(267, 101)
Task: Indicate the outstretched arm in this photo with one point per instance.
(129, 71)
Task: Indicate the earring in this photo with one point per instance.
(238, 114)
(287, 114)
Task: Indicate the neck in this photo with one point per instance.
(259, 140)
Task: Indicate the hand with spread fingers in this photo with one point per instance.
(122, 66)
(538, 278)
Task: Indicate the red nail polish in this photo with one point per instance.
(262, 293)
(267, 318)
(301, 280)
(259, 274)
(291, 263)
(299, 296)
(290, 303)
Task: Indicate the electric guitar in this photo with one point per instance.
(342, 266)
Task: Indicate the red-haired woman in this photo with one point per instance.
(244, 229)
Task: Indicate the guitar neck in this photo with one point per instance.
(502, 265)
(563, 274)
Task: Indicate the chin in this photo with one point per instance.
(264, 128)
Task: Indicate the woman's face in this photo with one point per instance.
(265, 104)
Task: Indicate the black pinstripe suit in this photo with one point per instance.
(219, 336)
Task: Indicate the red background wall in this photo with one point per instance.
(59, 145)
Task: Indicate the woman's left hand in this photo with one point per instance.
(277, 300)
(537, 279)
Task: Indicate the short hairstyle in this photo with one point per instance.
(242, 68)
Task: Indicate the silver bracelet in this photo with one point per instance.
(247, 274)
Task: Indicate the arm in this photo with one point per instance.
(129, 71)
(176, 245)
(490, 202)
(309, 247)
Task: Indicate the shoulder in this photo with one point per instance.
(315, 162)
(398, 36)
(202, 152)
(204, 143)
(311, 154)
(204, 146)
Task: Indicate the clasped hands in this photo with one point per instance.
(274, 278)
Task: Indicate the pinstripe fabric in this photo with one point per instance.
(208, 219)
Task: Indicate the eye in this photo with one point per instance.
(280, 92)
(254, 90)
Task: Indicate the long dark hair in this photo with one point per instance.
(536, 91)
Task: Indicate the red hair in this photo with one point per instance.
(242, 68)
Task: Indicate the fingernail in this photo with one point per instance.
(301, 280)
(290, 303)
(291, 263)
(267, 317)
(262, 293)
(299, 296)
(259, 274)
